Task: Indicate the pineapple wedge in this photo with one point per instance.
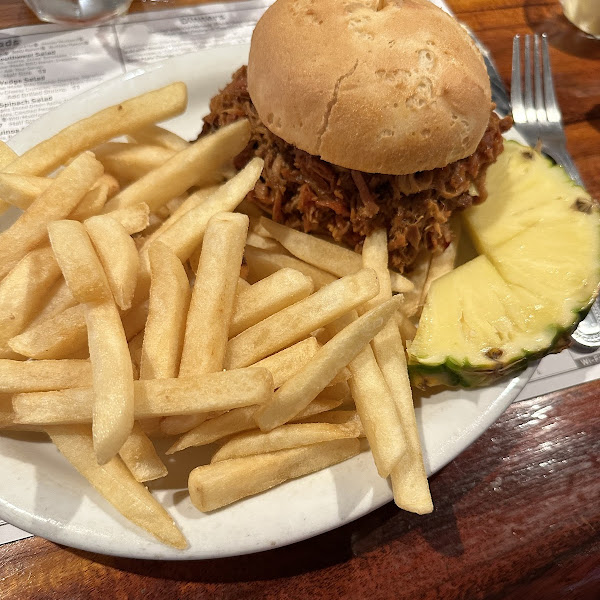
(538, 239)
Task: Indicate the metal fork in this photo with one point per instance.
(538, 118)
(535, 109)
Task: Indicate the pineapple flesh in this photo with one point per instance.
(538, 239)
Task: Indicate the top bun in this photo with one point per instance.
(395, 90)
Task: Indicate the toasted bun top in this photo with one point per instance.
(395, 90)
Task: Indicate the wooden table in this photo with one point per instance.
(517, 515)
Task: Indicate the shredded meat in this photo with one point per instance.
(309, 194)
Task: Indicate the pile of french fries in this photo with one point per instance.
(141, 296)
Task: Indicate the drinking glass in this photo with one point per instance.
(76, 12)
(584, 14)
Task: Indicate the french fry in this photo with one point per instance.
(29, 230)
(56, 337)
(211, 306)
(154, 134)
(104, 125)
(56, 300)
(328, 256)
(287, 362)
(409, 480)
(219, 484)
(236, 421)
(336, 417)
(187, 232)
(22, 190)
(43, 375)
(283, 438)
(140, 457)
(112, 376)
(263, 263)
(167, 309)
(193, 166)
(134, 218)
(257, 241)
(153, 397)
(134, 319)
(413, 299)
(128, 162)
(268, 296)
(118, 255)
(440, 265)
(92, 203)
(295, 322)
(7, 155)
(296, 393)
(22, 293)
(375, 256)
(116, 484)
(78, 261)
(376, 407)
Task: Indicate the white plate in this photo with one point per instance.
(42, 494)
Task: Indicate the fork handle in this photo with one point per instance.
(562, 157)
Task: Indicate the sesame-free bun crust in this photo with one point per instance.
(395, 90)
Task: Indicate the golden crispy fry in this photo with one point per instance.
(115, 482)
(22, 190)
(187, 232)
(330, 257)
(133, 218)
(268, 296)
(7, 155)
(92, 203)
(57, 299)
(29, 230)
(118, 255)
(296, 393)
(106, 124)
(167, 309)
(263, 263)
(22, 293)
(409, 480)
(211, 306)
(413, 300)
(237, 420)
(78, 261)
(283, 438)
(153, 397)
(154, 134)
(216, 485)
(140, 457)
(297, 321)
(42, 375)
(375, 256)
(56, 337)
(128, 162)
(287, 362)
(195, 165)
(376, 407)
(112, 377)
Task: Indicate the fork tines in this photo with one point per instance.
(533, 98)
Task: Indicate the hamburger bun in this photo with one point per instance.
(395, 90)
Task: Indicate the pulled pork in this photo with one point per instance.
(307, 193)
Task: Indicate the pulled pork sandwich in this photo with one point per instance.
(367, 113)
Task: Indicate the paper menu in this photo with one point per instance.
(43, 66)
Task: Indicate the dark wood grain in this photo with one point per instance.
(517, 515)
